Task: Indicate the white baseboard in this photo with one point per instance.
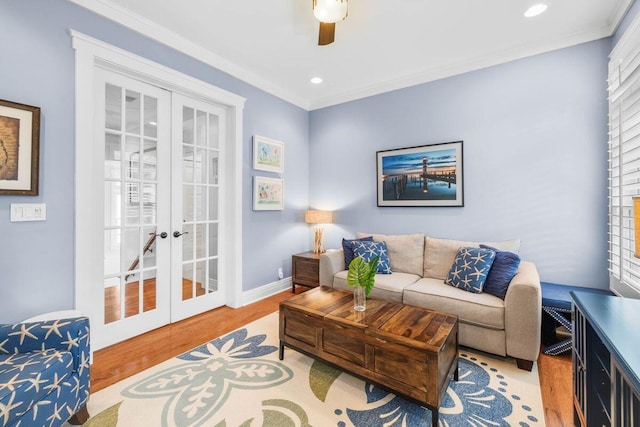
(265, 291)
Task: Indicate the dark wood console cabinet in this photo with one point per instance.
(606, 360)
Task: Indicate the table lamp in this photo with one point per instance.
(318, 217)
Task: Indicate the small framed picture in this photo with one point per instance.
(428, 175)
(268, 194)
(268, 154)
(19, 149)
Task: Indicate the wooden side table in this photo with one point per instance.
(305, 270)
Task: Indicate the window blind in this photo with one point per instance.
(624, 161)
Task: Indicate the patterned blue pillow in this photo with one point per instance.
(502, 271)
(369, 250)
(470, 269)
(347, 249)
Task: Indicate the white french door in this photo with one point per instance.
(133, 130)
(197, 212)
(162, 204)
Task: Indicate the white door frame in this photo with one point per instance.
(91, 54)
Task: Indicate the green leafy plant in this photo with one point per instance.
(362, 274)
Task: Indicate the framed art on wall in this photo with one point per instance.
(268, 154)
(268, 194)
(19, 148)
(428, 175)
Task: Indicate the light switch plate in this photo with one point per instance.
(21, 212)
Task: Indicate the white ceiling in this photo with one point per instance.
(382, 45)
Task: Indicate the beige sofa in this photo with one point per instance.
(421, 263)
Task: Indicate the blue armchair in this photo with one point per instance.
(44, 373)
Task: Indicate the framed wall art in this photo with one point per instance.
(268, 194)
(428, 175)
(19, 148)
(268, 154)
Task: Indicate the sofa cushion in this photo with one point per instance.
(34, 375)
(369, 250)
(388, 287)
(347, 248)
(440, 253)
(406, 251)
(502, 271)
(483, 309)
(470, 269)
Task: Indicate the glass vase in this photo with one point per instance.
(359, 299)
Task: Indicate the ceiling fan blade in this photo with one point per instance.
(327, 33)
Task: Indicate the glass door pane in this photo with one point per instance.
(200, 197)
(130, 203)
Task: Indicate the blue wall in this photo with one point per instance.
(535, 159)
(36, 259)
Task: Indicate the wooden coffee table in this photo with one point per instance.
(409, 350)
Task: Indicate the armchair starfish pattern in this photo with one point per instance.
(44, 372)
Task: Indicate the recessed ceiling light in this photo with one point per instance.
(316, 80)
(535, 10)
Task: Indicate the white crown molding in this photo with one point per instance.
(156, 32)
(618, 15)
(473, 64)
(175, 41)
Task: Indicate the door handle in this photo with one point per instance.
(162, 235)
(178, 234)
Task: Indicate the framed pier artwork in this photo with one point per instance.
(428, 175)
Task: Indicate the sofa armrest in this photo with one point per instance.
(523, 312)
(70, 335)
(331, 262)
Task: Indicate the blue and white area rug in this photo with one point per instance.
(237, 380)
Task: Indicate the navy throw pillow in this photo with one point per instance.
(347, 248)
(470, 268)
(369, 250)
(502, 271)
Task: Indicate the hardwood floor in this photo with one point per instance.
(127, 358)
(557, 389)
(122, 360)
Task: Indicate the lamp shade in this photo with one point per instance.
(318, 217)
